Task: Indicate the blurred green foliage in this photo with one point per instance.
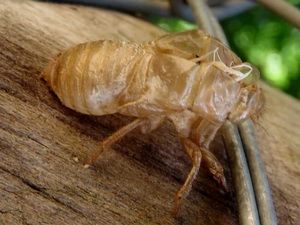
(173, 24)
(260, 37)
(263, 39)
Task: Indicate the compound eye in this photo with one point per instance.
(196, 59)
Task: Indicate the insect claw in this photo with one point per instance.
(178, 199)
(220, 178)
(223, 184)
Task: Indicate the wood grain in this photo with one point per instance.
(41, 181)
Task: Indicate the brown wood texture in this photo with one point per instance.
(43, 145)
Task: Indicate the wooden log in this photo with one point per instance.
(44, 145)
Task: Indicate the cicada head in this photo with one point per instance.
(228, 92)
(250, 100)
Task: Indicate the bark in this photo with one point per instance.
(44, 145)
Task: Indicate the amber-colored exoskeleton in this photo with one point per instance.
(190, 78)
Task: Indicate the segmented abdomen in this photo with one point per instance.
(106, 77)
(99, 77)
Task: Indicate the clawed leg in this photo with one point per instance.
(214, 166)
(194, 152)
(113, 138)
(197, 154)
(204, 134)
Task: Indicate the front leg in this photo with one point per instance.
(194, 152)
(197, 154)
(214, 167)
(203, 135)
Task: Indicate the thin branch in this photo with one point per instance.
(286, 11)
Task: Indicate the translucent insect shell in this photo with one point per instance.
(189, 77)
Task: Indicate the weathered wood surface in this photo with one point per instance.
(133, 183)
